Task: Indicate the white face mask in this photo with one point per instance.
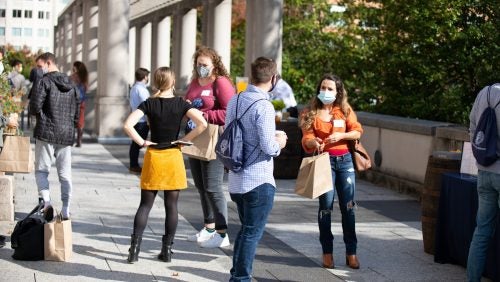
(327, 97)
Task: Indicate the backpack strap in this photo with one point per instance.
(238, 118)
(489, 89)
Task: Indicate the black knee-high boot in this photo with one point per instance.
(166, 249)
(135, 248)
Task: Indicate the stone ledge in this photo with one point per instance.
(418, 126)
(392, 182)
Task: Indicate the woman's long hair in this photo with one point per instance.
(163, 79)
(82, 74)
(218, 70)
(315, 105)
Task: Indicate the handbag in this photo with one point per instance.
(360, 157)
(16, 155)
(203, 147)
(315, 176)
(27, 237)
(58, 239)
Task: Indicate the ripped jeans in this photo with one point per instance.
(343, 176)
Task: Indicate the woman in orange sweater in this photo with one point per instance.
(327, 126)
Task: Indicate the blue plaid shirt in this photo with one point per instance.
(259, 131)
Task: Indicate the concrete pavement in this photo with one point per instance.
(106, 197)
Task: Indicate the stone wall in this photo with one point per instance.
(400, 148)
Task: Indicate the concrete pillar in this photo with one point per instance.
(163, 42)
(68, 43)
(89, 58)
(145, 55)
(78, 12)
(216, 28)
(131, 54)
(176, 46)
(112, 104)
(187, 48)
(264, 30)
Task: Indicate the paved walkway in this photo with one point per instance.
(106, 197)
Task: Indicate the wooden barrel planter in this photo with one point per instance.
(287, 164)
(436, 166)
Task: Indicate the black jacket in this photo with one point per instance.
(56, 105)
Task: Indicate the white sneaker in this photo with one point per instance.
(216, 241)
(201, 236)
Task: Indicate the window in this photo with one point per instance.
(47, 15)
(40, 32)
(2, 13)
(17, 13)
(2, 31)
(28, 14)
(16, 31)
(28, 32)
(40, 14)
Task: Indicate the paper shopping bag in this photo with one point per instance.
(17, 155)
(58, 240)
(203, 147)
(315, 176)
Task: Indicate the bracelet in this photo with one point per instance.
(143, 144)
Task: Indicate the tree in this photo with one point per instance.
(408, 58)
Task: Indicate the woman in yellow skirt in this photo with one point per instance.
(163, 167)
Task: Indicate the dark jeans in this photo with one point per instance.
(133, 153)
(344, 182)
(253, 210)
(208, 178)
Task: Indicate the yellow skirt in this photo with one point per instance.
(163, 170)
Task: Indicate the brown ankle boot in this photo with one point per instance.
(352, 261)
(328, 261)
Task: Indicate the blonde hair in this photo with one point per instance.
(163, 79)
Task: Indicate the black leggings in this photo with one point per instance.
(171, 215)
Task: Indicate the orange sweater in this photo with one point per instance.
(323, 129)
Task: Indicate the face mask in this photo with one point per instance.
(203, 71)
(326, 97)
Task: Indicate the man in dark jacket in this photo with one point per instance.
(55, 103)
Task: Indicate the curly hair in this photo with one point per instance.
(307, 118)
(219, 68)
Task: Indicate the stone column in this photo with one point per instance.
(131, 54)
(78, 34)
(112, 105)
(187, 48)
(163, 42)
(145, 56)
(66, 43)
(263, 31)
(89, 57)
(217, 28)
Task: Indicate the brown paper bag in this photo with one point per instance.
(58, 241)
(17, 155)
(203, 147)
(315, 176)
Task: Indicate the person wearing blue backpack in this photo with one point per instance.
(484, 117)
(252, 188)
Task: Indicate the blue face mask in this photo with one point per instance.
(203, 71)
(326, 97)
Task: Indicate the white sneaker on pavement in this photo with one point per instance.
(201, 236)
(216, 241)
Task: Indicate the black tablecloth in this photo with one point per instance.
(456, 222)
